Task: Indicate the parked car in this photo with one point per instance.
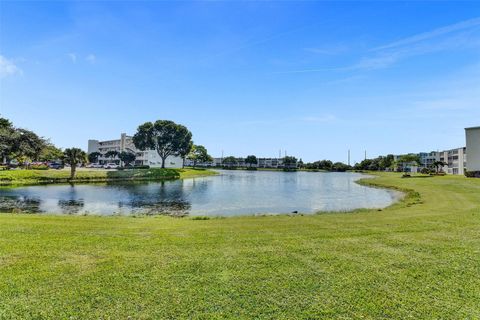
(55, 165)
(111, 166)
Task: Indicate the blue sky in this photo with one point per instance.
(312, 78)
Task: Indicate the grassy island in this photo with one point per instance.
(418, 259)
(31, 177)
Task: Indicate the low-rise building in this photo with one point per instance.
(473, 147)
(454, 159)
(125, 143)
(261, 163)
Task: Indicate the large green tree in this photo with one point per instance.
(111, 154)
(199, 154)
(164, 136)
(27, 144)
(74, 157)
(50, 153)
(289, 162)
(251, 160)
(230, 161)
(7, 134)
(127, 157)
(93, 157)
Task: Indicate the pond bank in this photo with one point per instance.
(41, 177)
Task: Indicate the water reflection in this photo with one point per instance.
(232, 193)
(20, 204)
(71, 206)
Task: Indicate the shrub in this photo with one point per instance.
(38, 167)
(141, 167)
(472, 174)
(425, 171)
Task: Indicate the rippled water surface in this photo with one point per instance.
(228, 194)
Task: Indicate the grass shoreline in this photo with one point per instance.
(13, 178)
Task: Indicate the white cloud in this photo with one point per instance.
(91, 58)
(72, 57)
(329, 50)
(467, 24)
(324, 118)
(457, 36)
(8, 68)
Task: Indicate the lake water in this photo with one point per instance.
(228, 194)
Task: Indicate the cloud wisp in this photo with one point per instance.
(8, 67)
(458, 36)
(91, 58)
(73, 57)
(463, 25)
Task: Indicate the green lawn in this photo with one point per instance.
(419, 259)
(28, 177)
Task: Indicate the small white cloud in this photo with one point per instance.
(324, 118)
(73, 57)
(328, 50)
(91, 58)
(8, 68)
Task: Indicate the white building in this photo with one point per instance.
(473, 148)
(454, 159)
(125, 143)
(261, 163)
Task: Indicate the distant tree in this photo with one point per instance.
(50, 153)
(230, 161)
(111, 154)
(251, 160)
(290, 162)
(300, 163)
(340, 167)
(127, 157)
(199, 154)
(324, 165)
(164, 136)
(74, 157)
(406, 159)
(386, 162)
(7, 134)
(93, 157)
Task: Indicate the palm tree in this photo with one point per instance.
(438, 164)
(74, 157)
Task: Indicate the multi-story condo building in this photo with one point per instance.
(125, 143)
(261, 163)
(473, 147)
(454, 159)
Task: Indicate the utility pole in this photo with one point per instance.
(365, 154)
(348, 156)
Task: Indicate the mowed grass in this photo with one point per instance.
(30, 177)
(419, 259)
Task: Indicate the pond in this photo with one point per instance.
(233, 192)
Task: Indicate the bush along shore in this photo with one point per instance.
(32, 177)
